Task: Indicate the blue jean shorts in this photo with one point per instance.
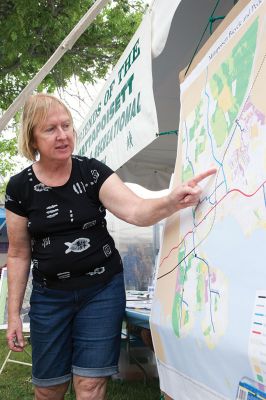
(76, 332)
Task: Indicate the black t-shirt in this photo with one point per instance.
(71, 246)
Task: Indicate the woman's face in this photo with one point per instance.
(54, 139)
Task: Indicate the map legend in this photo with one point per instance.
(257, 341)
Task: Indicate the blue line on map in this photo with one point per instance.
(264, 194)
(239, 126)
(257, 323)
(208, 198)
(215, 292)
(259, 315)
(183, 301)
(209, 280)
(208, 130)
(214, 193)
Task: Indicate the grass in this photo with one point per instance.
(15, 382)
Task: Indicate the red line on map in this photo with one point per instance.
(211, 209)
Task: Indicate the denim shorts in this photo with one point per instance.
(76, 332)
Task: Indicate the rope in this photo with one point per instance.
(212, 20)
(195, 52)
(174, 132)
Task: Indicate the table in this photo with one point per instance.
(137, 332)
(138, 317)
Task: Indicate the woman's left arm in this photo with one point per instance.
(126, 205)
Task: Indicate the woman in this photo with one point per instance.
(56, 221)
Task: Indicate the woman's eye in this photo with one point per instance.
(66, 126)
(49, 129)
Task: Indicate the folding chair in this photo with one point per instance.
(10, 359)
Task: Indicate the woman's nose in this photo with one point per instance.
(61, 134)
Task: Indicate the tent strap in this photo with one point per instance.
(210, 21)
(174, 132)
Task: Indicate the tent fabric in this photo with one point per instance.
(181, 31)
(153, 166)
(162, 13)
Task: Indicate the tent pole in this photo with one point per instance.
(66, 45)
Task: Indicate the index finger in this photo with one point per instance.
(198, 178)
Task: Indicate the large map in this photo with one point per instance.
(209, 311)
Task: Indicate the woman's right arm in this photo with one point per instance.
(18, 266)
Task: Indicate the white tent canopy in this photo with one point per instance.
(152, 167)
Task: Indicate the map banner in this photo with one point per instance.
(208, 317)
(123, 119)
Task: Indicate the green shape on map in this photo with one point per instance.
(219, 127)
(200, 143)
(189, 262)
(176, 314)
(181, 255)
(256, 214)
(200, 288)
(186, 320)
(183, 269)
(197, 120)
(230, 83)
(216, 304)
(187, 173)
(182, 274)
(207, 331)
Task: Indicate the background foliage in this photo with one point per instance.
(30, 32)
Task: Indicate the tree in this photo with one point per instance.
(8, 150)
(31, 30)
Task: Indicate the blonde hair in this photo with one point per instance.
(34, 113)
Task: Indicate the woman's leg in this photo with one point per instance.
(51, 314)
(89, 388)
(96, 338)
(56, 392)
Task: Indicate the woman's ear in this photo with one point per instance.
(33, 143)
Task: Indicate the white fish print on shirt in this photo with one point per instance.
(71, 215)
(77, 158)
(46, 242)
(33, 241)
(41, 187)
(79, 187)
(78, 245)
(8, 198)
(97, 271)
(30, 174)
(95, 176)
(107, 250)
(89, 224)
(63, 275)
(52, 211)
